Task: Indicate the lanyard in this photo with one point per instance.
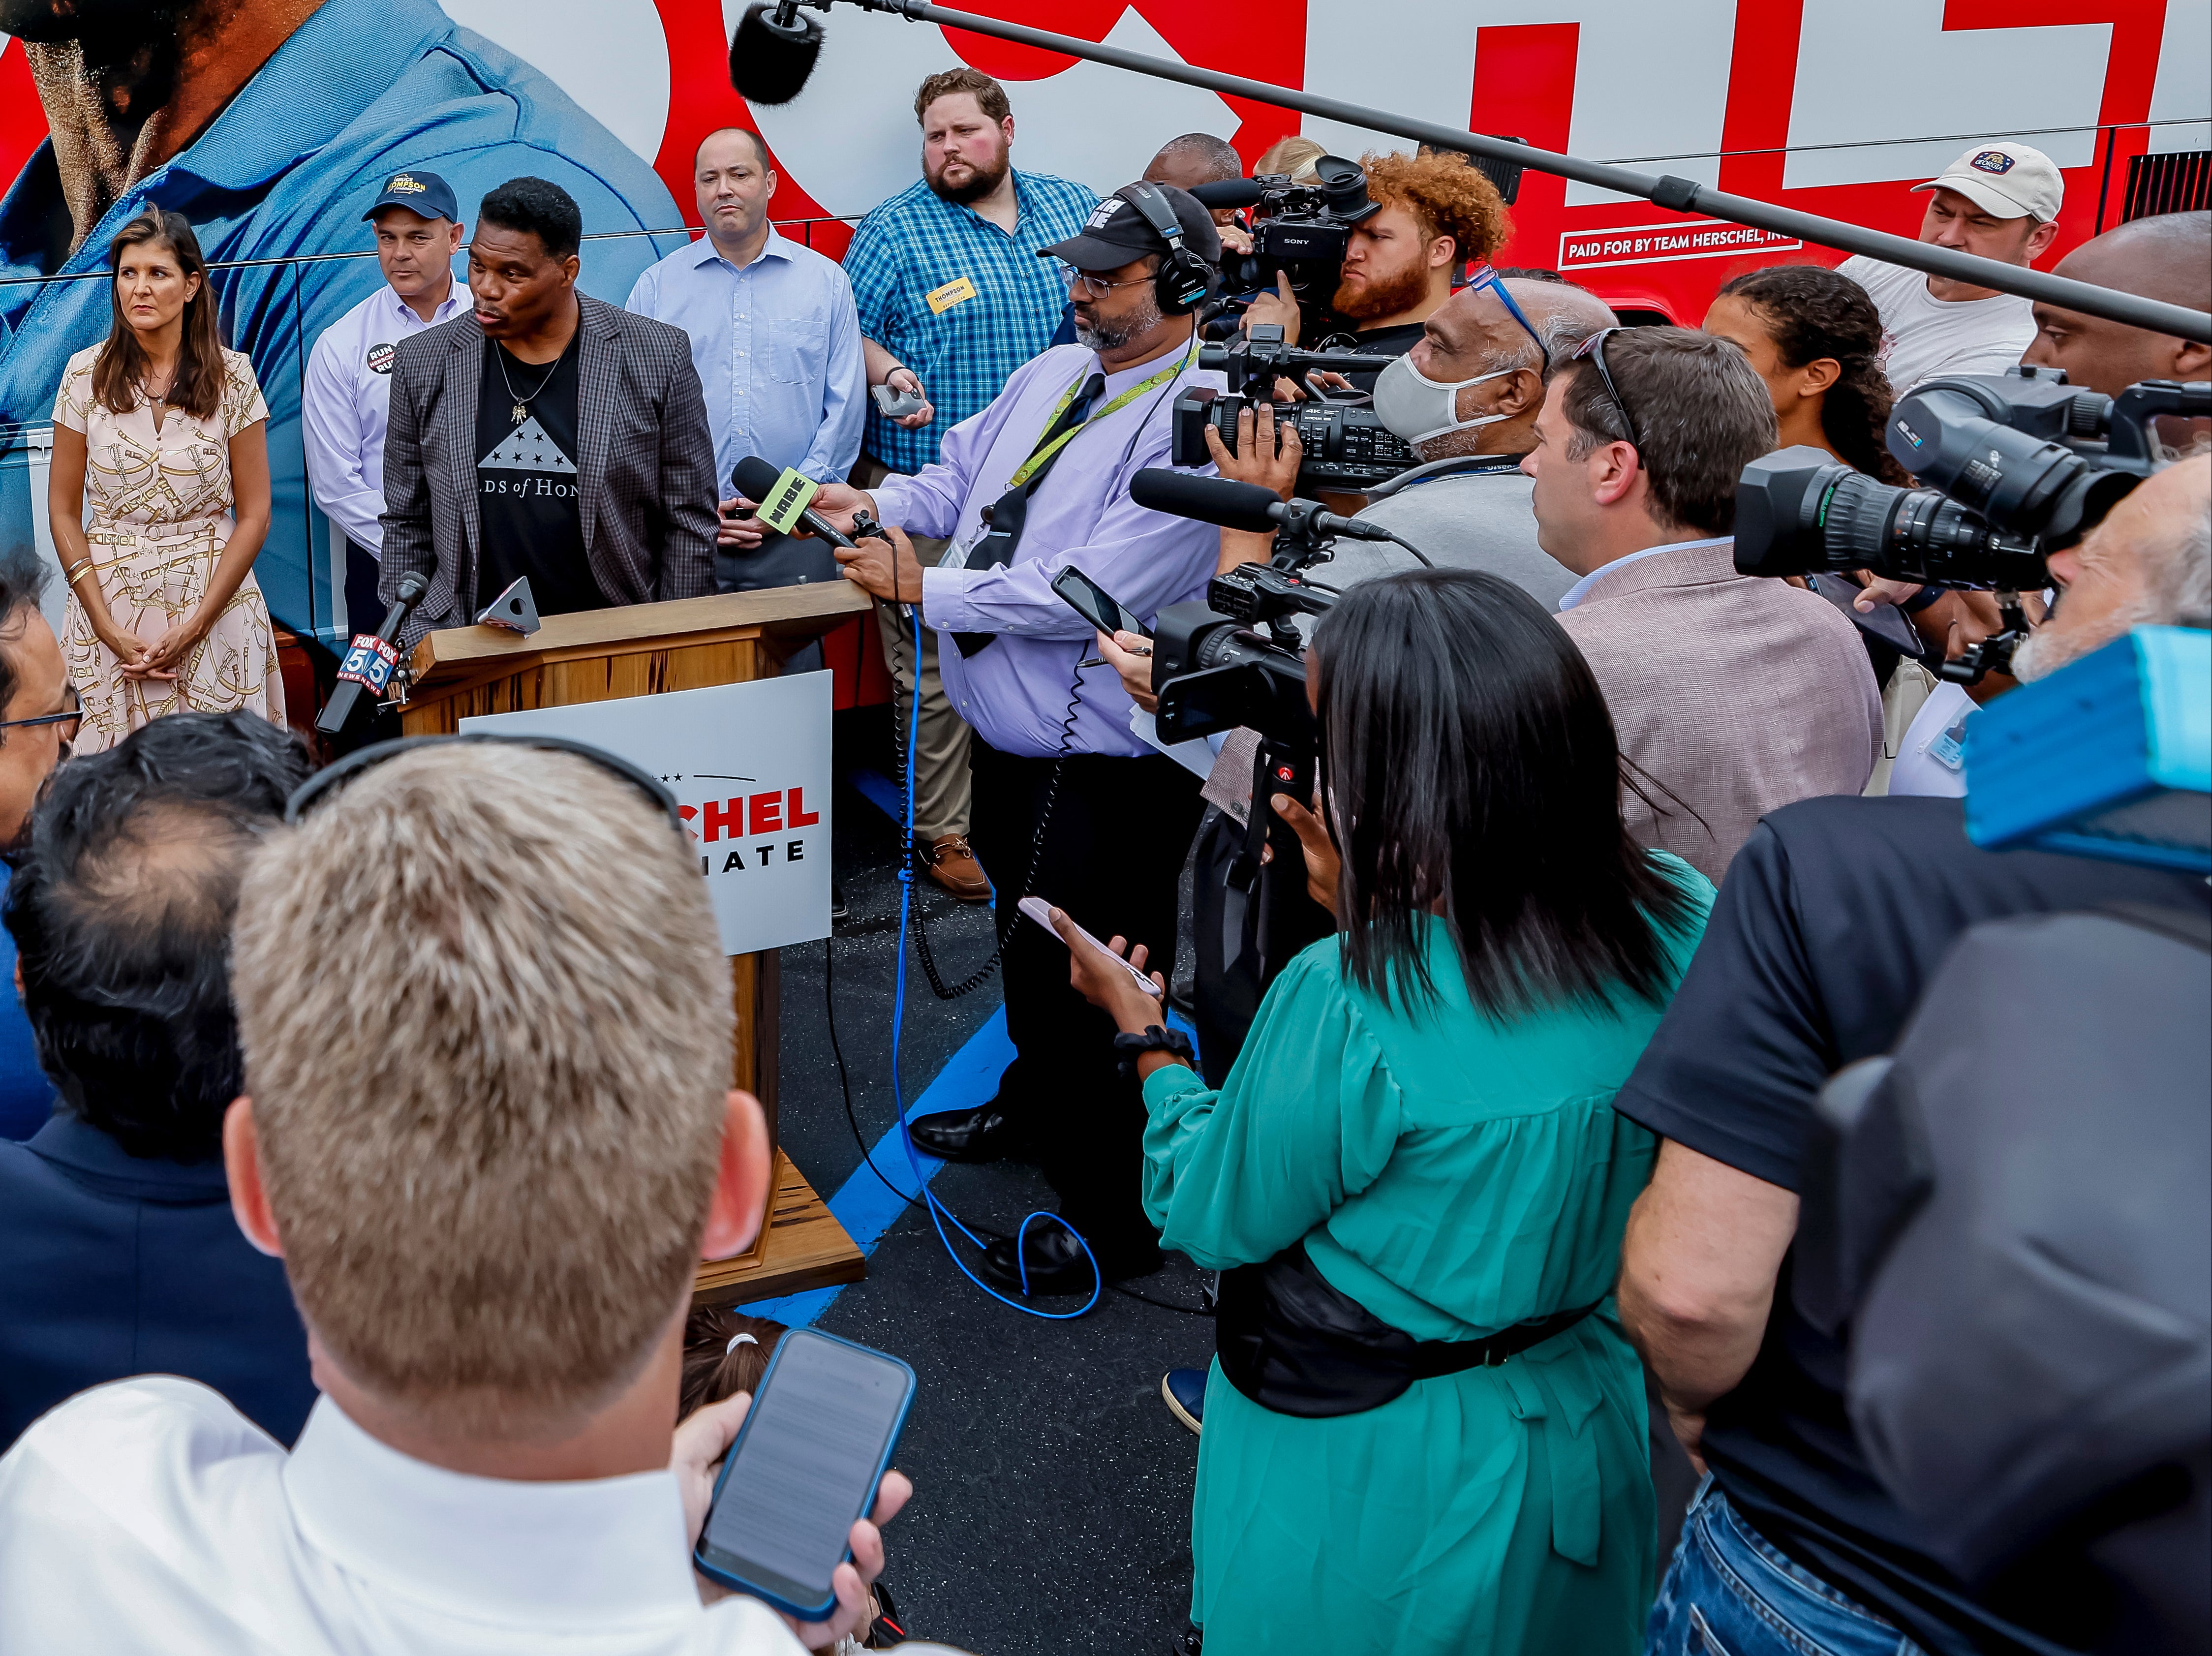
(1045, 451)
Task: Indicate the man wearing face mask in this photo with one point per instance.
(1466, 397)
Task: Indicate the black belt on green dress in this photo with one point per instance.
(1295, 1343)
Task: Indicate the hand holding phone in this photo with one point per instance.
(1095, 604)
(803, 1468)
(1041, 911)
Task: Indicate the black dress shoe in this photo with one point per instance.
(1058, 1265)
(982, 1134)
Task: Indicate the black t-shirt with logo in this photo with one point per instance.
(528, 502)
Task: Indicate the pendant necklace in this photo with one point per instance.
(522, 409)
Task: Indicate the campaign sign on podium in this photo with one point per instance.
(749, 765)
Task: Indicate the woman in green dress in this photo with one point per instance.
(1416, 1163)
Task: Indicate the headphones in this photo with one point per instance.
(1184, 281)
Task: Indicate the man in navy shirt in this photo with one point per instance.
(267, 122)
(119, 1255)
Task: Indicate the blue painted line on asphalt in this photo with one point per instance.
(862, 1205)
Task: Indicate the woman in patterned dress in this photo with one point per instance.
(165, 433)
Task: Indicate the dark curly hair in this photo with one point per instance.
(1810, 312)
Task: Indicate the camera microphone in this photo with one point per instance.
(1240, 506)
(368, 664)
(1227, 192)
(772, 51)
(757, 481)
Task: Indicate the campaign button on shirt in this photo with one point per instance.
(379, 358)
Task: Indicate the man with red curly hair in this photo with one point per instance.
(1435, 210)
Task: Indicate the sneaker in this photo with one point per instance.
(1184, 1391)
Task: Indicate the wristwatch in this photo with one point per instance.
(1155, 1039)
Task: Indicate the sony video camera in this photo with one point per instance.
(1346, 448)
(2018, 465)
(1301, 229)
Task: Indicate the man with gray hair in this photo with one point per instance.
(488, 1127)
(1197, 158)
(1465, 397)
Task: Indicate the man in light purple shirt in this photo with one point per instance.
(1071, 805)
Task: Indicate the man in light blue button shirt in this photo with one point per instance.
(777, 343)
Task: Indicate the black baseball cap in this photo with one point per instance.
(418, 192)
(1117, 232)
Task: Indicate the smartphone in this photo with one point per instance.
(1095, 604)
(803, 1468)
(1887, 621)
(1041, 911)
(895, 404)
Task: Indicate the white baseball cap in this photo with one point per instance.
(2006, 180)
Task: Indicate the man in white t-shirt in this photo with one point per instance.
(1998, 201)
(486, 1024)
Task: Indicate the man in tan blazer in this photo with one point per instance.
(1732, 695)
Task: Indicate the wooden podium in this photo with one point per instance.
(604, 655)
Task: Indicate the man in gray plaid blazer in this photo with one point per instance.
(547, 435)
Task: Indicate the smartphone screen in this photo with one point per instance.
(1887, 621)
(804, 1467)
(1095, 604)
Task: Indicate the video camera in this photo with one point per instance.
(2018, 466)
(1300, 229)
(1346, 448)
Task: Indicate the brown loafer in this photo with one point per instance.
(953, 866)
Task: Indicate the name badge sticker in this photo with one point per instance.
(958, 291)
(790, 497)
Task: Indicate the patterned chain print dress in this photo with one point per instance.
(161, 516)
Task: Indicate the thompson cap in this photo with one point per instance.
(418, 192)
(1117, 232)
(2006, 180)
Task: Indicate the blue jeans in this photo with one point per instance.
(1730, 1594)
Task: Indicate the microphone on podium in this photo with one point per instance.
(367, 667)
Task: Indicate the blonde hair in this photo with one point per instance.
(487, 1029)
(1293, 156)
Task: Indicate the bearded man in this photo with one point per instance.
(1071, 804)
(1433, 213)
(953, 298)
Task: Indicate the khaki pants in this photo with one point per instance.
(941, 794)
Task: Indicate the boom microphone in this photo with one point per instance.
(773, 52)
(368, 664)
(1228, 192)
(756, 481)
(1241, 506)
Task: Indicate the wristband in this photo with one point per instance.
(1155, 1039)
(1921, 600)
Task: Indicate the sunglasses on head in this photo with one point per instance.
(334, 777)
(1592, 350)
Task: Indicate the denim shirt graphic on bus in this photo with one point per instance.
(360, 89)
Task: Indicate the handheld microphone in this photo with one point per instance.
(1227, 192)
(368, 665)
(757, 479)
(1240, 506)
(773, 52)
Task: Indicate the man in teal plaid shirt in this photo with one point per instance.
(952, 297)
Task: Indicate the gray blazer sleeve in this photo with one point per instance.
(689, 487)
(409, 544)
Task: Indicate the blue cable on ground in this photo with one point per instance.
(939, 1213)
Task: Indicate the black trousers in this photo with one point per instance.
(1111, 855)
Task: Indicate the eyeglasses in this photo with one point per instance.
(333, 777)
(71, 719)
(1480, 276)
(1090, 286)
(1592, 350)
